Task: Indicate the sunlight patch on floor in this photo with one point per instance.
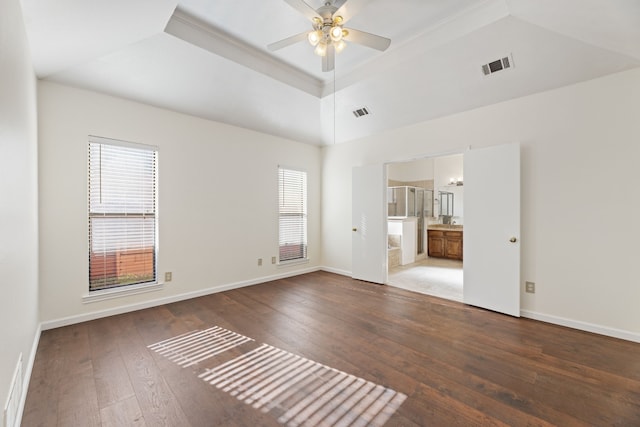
(300, 392)
(193, 347)
(295, 390)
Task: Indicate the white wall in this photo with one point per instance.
(217, 197)
(580, 153)
(445, 168)
(18, 197)
(417, 170)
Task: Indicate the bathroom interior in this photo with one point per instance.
(425, 202)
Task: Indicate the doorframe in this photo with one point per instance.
(386, 201)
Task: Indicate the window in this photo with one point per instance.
(122, 213)
(292, 189)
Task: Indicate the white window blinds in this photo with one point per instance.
(292, 185)
(122, 214)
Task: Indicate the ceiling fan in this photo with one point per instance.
(329, 34)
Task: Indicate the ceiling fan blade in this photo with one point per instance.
(349, 8)
(288, 41)
(338, 3)
(303, 8)
(329, 60)
(367, 39)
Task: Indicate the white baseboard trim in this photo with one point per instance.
(583, 326)
(26, 380)
(71, 320)
(336, 271)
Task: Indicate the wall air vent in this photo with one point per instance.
(361, 112)
(497, 65)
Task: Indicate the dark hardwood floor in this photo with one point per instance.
(457, 365)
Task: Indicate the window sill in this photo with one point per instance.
(107, 294)
(293, 262)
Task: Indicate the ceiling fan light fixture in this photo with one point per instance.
(314, 37)
(336, 33)
(340, 45)
(321, 49)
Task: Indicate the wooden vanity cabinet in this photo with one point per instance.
(435, 243)
(445, 244)
(453, 245)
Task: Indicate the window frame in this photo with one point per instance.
(118, 289)
(304, 258)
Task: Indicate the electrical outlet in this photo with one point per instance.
(168, 276)
(259, 261)
(273, 260)
(530, 287)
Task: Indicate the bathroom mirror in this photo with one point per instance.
(446, 203)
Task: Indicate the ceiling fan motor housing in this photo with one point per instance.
(326, 12)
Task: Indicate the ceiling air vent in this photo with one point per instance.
(361, 112)
(497, 65)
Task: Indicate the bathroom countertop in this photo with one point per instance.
(446, 227)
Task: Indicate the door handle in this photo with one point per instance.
(513, 240)
(354, 229)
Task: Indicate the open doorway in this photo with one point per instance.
(425, 206)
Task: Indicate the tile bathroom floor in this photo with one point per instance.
(432, 276)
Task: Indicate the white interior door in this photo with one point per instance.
(492, 228)
(369, 226)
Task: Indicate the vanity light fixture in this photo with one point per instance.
(457, 182)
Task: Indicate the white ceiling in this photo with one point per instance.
(208, 58)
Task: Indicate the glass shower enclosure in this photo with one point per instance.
(407, 201)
